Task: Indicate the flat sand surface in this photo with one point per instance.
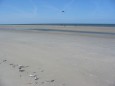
(57, 58)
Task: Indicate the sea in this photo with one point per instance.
(70, 24)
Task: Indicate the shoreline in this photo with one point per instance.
(62, 24)
(56, 27)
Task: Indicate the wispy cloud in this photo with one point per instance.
(67, 6)
(51, 7)
(35, 11)
(17, 11)
(35, 8)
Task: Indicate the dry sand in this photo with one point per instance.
(57, 58)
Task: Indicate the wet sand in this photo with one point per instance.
(58, 56)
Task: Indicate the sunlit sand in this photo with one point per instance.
(57, 56)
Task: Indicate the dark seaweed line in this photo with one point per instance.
(73, 31)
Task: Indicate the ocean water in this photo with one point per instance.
(103, 25)
(72, 24)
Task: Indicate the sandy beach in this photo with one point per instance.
(57, 55)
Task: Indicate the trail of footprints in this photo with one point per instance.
(34, 76)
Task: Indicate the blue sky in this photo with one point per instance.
(49, 11)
